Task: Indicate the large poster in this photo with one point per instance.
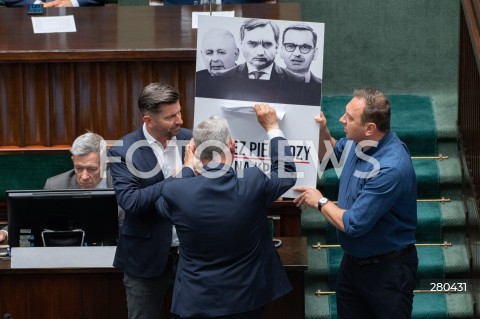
(243, 61)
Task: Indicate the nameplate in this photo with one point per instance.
(62, 257)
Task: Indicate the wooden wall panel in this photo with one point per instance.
(11, 104)
(61, 109)
(49, 104)
(35, 103)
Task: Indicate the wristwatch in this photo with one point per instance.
(322, 201)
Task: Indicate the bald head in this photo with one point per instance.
(219, 50)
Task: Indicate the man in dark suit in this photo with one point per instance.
(259, 45)
(139, 163)
(229, 266)
(299, 50)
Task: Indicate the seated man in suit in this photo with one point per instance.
(228, 266)
(259, 45)
(89, 162)
(89, 154)
(55, 3)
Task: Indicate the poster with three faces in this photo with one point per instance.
(241, 62)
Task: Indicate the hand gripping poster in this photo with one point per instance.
(241, 62)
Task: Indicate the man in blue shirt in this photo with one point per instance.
(376, 215)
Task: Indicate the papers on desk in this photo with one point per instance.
(53, 24)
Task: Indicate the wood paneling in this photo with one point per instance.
(54, 87)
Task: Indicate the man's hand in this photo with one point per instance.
(58, 3)
(3, 236)
(266, 116)
(321, 119)
(189, 159)
(308, 197)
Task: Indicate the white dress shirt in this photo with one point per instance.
(170, 160)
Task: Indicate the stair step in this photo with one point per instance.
(449, 217)
(425, 305)
(435, 264)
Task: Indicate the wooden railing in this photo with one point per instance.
(469, 131)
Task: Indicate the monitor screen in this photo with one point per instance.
(38, 218)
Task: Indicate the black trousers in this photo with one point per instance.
(381, 290)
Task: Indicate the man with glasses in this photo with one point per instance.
(299, 50)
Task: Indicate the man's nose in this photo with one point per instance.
(85, 174)
(178, 119)
(297, 50)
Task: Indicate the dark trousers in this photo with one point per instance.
(145, 295)
(254, 314)
(381, 290)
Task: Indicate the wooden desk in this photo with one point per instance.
(99, 292)
(287, 218)
(55, 86)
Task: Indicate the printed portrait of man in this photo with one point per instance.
(299, 50)
(219, 52)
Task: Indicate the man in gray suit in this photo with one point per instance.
(89, 154)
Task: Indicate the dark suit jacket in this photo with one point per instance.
(312, 91)
(284, 86)
(24, 3)
(145, 239)
(68, 180)
(228, 263)
(167, 2)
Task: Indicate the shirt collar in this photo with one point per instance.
(267, 70)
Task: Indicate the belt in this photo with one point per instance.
(380, 258)
(174, 250)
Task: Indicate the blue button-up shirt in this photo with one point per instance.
(378, 190)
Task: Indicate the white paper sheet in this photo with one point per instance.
(53, 24)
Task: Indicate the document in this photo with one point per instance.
(54, 24)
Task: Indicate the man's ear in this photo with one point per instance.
(147, 119)
(237, 53)
(371, 129)
(231, 145)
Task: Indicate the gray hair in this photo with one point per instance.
(156, 94)
(212, 137)
(88, 143)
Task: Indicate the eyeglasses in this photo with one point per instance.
(304, 48)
